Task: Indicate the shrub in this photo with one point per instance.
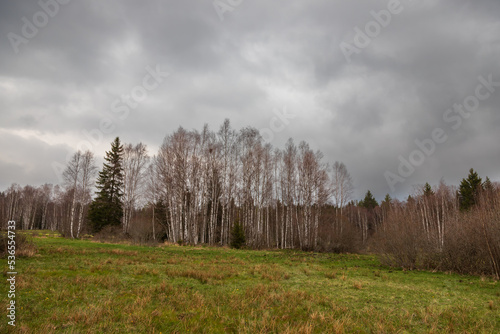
(237, 235)
(111, 233)
(24, 245)
(333, 240)
(470, 241)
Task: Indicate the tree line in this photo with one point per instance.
(201, 185)
(193, 191)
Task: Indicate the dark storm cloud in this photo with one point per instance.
(264, 56)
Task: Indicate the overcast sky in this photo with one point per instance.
(362, 91)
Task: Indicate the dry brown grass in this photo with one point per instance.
(331, 274)
(24, 246)
(357, 285)
(118, 251)
(271, 272)
(205, 275)
(202, 290)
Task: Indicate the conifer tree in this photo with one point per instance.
(237, 235)
(488, 186)
(106, 208)
(387, 201)
(369, 201)
(469, 190)
(428, 190)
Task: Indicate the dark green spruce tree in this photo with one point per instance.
(237, 235)
(106, 208)
(469, 190)
(410, 200)
(386, 203)
(428, 190)
(369, 201)
(387, 199)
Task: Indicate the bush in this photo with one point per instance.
(470, 242)
(331, 240)
(111, 233)
(24, 245)
(237, 235)
(401, 244)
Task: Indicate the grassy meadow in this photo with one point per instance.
(81, 286)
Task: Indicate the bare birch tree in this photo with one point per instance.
(88, 172)
(152, 191)
(79, 176)
(135, 159)
(342, 189)
(71, 175)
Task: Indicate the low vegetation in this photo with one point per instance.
(25, 247)
(465, 242)
(83, 286)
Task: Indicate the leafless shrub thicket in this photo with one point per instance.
(430, 232)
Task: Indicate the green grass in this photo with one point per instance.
(80, 286)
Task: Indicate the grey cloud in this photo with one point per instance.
(263, 56)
